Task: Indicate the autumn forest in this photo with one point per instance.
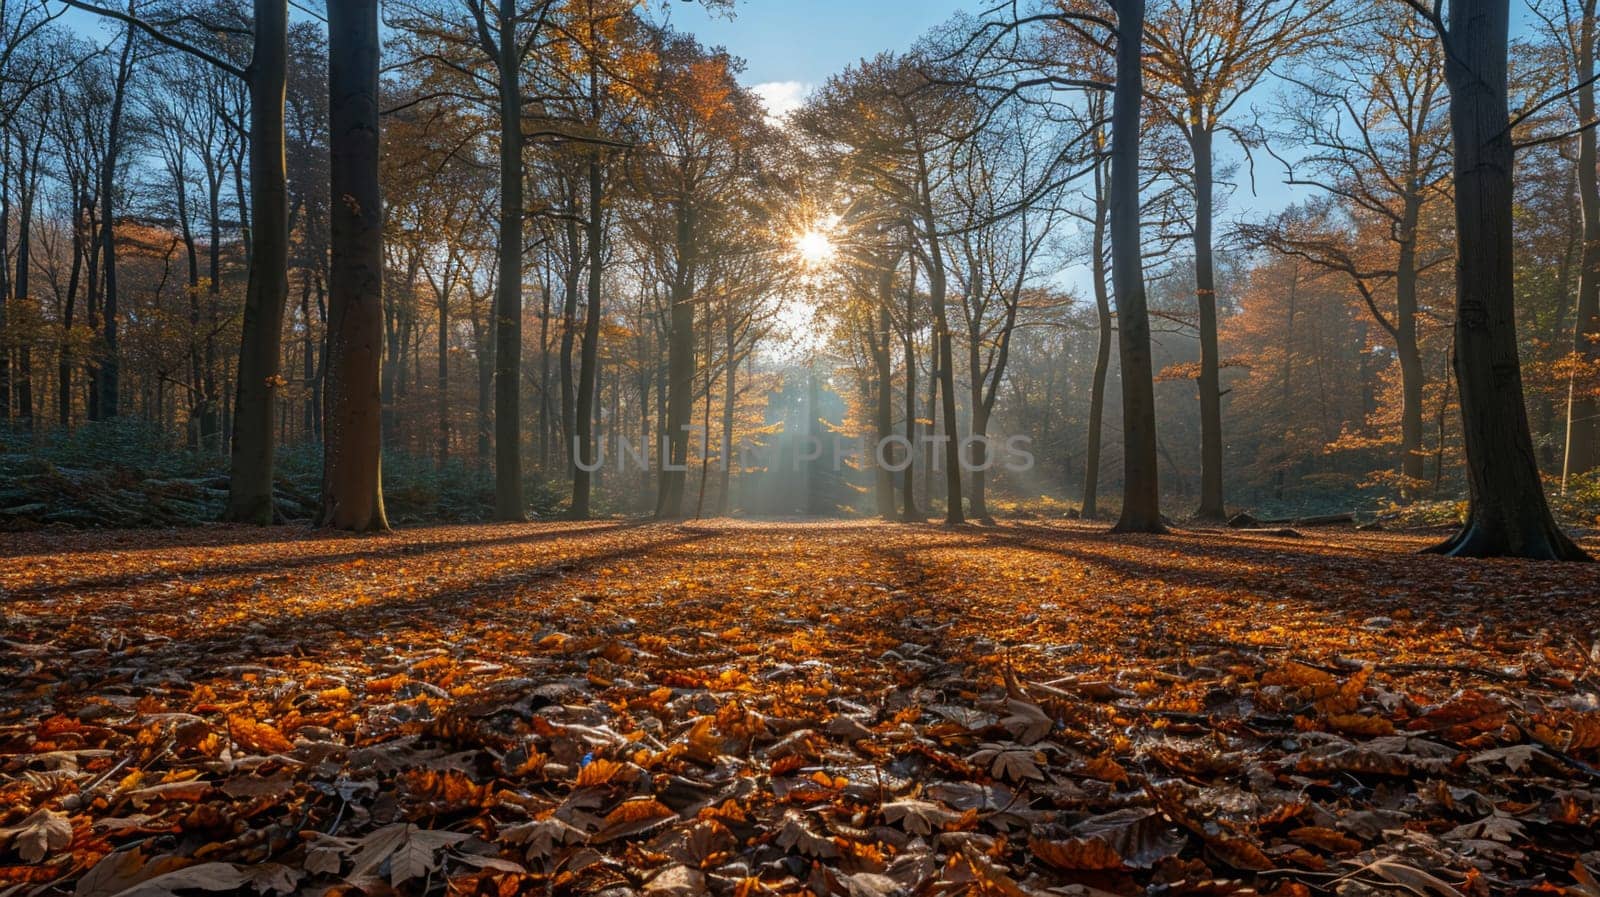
(1082, 447)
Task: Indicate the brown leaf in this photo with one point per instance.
(632, 817)
(38, 835)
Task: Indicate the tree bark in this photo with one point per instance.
(1211, 508)
(943, 346)
(508, 293)
(352, 459)
(589, 360)
(267, 290)
(883, 366)
(680, 375)
(1141, 493)
(109, 381)
(1508, 514)
(1102, 358)
(1583, 412)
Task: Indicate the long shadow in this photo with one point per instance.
(1447, 589)
(397, 547)
(482, 600)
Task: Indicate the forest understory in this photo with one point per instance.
(784, 708)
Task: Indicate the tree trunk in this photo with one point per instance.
(680, 376)
(1102, 358)
(28, 183)
(1508, 513)
(1141, 493)
(589, 361)
(508, 293)
(64, 359)
(1409, 354)
(1211, 508)
(1583, 412)
(5, 278)
(884, 418)
(267, 291)
(729, 405)
(352, 454)
(442, 409)
(909, 512)
(109, 382)
(569, 334)
(954, 513)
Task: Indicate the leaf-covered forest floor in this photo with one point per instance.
(782, 708)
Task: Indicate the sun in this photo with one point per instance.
(815, 247)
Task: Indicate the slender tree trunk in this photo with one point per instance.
(954, 513)
(1508, 513)
(884, 418)
(1583, 411)
(909, 511)
(680, 375)
(1409, 354)
(509, 504)
(589, 362)
(1211, 508)
(1141, 493)
(64, 362)
(111, 364)
(442, 410)
(569, 333)
(1102, 358)
(729, 406)
(6, 337)
(28, 182)
(352, 453)
(485, 396)
(266, 293)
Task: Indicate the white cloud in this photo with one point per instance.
(782, 97)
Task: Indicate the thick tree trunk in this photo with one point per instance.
(589, 362)
(352, 454)
(1508, 514)
(267, 290)
(569, 333)
(508, 503)
(1212, 509)
(1141, 493)
(1583, 412)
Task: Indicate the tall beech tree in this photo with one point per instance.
(1205, 57)
(1141, 490)
(352, 461)
(1507, 515)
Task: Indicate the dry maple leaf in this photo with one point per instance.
(920, 817)
(795, 833)
(40, 833)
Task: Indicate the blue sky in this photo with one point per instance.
(793, 45)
